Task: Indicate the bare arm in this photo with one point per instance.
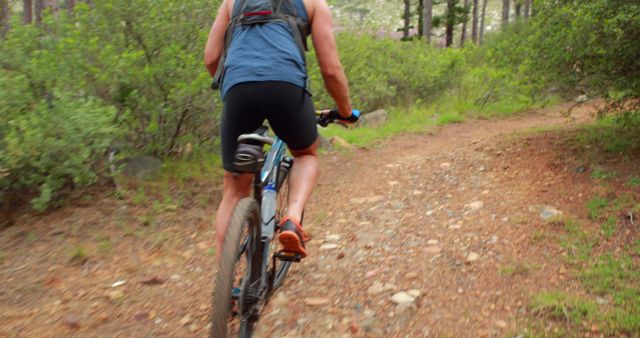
(215, 42)
(325, 45)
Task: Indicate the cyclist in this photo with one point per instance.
(265, 77)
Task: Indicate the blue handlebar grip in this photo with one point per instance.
(355, 113)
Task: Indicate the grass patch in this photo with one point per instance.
(600, 174)
(596, 207)
(609, 227)
(618, 278)
(79, 255)
(563, 306)
(606, 134)
(634, 182)
(515, 269)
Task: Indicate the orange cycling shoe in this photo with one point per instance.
(292, 237)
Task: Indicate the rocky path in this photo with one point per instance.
(421, 235)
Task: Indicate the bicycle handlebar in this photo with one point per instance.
(326, 118)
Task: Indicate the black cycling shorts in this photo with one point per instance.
(287, 107)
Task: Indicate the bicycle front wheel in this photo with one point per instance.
(238, 272)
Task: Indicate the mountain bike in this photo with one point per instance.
(250, 266)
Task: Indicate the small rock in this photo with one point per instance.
(415, 293)
(118, 283)
(417, 192)
(374, 119)
(204, 246)
(474, 206)
(341, 255)
(115, 295)
(389, 287)
(328, 247)
(372, 273)
(333, 238)
(445, 165)
(155, 280)
(175, 278)
(103, 317)
(402, 297)
(279, 300)
(193, 327)
(354, 327)
(501, 324)
(367, 200)
(433, 250)
(375, 288)
(472, 257)
(432, 242)
(316, 301)
(142, 316)
(411, 275)
(548, 213)
(71, 321)
(186, 320)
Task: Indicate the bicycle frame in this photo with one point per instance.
(264, 183)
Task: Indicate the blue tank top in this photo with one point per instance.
(266, 52)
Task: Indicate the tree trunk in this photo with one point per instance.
(70, 4)
(428, 19)
(407, 19)
(463, 35)
(450, 21)
(27, 10)
(527, 8)
(4, 16)
(420, 17)
(484, 12)
(38, 9)
(518, 10)
(533, 8)
(474, 22)
(505, 13)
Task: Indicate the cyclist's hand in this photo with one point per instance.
(355, 116)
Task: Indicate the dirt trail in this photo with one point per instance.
(439, 216)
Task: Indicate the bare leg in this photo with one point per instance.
(302, 179)
(235, 187)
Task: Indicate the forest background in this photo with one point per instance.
(81, 78)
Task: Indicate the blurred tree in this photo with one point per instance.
(527, 8)
(427, 17)
(39, 10)
(518, 5)
(463, 34)
(482, 17)
(27, 10)
(407, 20)
(70, 4)
(4, 16)
(474, 23)
(505, 13)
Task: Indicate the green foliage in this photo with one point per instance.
(596, 207)
(563, 306)
(424, 72)
(586, 46)
(118, 70)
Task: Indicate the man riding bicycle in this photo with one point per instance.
(264, 76)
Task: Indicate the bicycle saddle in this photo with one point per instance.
(250, 153)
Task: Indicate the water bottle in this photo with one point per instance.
(268, 205)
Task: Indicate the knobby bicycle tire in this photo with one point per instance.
(281, 268)
(245, 222)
